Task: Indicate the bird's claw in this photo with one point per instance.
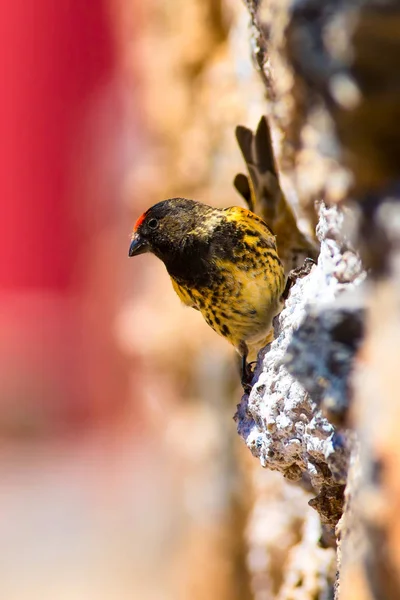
(304, 270)
(247, 376)
(298, 273)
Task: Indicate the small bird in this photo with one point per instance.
(222, 262)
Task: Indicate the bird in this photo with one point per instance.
(234, 265)
(222, 262)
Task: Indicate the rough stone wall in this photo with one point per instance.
(323, 409)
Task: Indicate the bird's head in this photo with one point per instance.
(165, 228)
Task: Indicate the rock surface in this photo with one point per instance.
(325, 395)
(280, 421)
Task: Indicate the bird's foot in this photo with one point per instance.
(247, 376)
(298, 273)
(304, 270)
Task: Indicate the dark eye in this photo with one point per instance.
(153, 224)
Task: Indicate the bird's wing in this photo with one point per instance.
(264, 195)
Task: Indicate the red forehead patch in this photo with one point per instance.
(139, 222)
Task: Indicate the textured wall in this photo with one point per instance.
(323, 409)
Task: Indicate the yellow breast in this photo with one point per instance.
(244, 292)
(241, 307)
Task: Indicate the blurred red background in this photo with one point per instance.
(58, 62)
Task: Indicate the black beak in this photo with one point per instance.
(138, 245)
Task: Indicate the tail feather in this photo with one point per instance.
(264, 196)
(242, 184)
(265, 159)
(244, 138)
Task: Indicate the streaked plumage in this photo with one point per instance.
(223, 262)
(264, 196)
(226, 263)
